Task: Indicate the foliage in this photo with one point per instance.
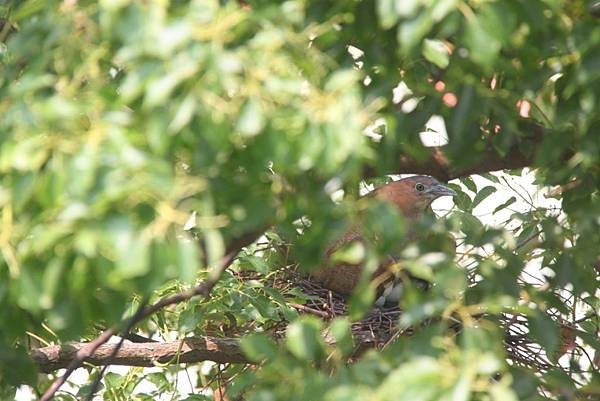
(121, 117)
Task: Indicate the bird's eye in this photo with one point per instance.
(419, 187)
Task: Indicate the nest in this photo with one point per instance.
(375, 330)
(380, 326)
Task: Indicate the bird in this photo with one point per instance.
(413, 197)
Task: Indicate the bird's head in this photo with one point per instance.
(413, 195)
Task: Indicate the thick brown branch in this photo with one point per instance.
(440, 166)
(193, 349)
(148, 354)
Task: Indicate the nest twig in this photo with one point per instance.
(380, 326)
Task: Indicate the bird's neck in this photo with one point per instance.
(417, 210)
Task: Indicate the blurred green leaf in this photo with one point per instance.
(544, 330)
(420, 379)
(259, 347)
(386, 11)
(352, 253)
(482, 38)
(303, 339)
(251, 120)
(361, 300)
(471, 226)
(411, 31)
(257, 263)
(436, 52)
(189, 259)
(341, 331)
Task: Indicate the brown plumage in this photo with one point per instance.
(412, 195)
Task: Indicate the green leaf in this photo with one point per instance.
(491, 177)
(113, 380)
(412, 31)
(525, 383)
(501, 392)
(27, 9)
(469, 183)
(482, 194)
(158, 90)
(545, 331)
(189, 319)
(482, 41)
(184, 114)
(259, 264)
(52, 277)
(506, 204)
(463, 113)
(16, 367)
(159, 379)
(264, 306)
(486, 344)
(348, 393)
(361, 300)
(28, 287)
(189, 259)
(462, 200)
(259, 347)
(389, 11)
(417, 313)
(340, 329)
(133, 255)
(303, 339)
(353, 253)
(471, 226)
(251, 120)
(419, 379)
(436, 52)
(386, 11)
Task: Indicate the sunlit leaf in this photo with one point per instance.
(436, 52)
(482, 194)
(506, 204)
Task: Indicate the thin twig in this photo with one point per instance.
(132, 320)
(80, 357)
(310, 310)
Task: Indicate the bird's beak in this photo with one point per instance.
(438, 190)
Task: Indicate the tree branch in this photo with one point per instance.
(132, 321)
(80, 355)
(439, 165)
(87, 350)
(193, 349)
(148, 354)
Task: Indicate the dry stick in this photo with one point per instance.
(310, 310)
(204, 288)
